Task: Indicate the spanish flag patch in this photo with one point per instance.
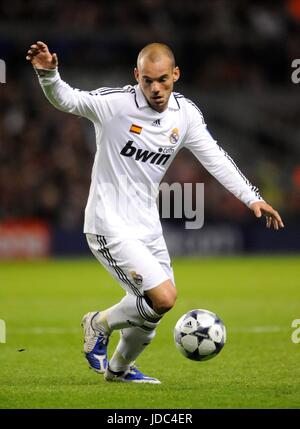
(135, 129)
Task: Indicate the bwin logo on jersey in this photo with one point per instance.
(157, 158)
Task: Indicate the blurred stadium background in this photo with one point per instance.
(235, 58)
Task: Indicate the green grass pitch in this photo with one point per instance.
(42, 304)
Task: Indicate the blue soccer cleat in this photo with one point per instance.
(95, 344)
(131, 375)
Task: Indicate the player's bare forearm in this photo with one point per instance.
(40, 57)
(273, 218)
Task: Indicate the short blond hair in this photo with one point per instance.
(154, 52)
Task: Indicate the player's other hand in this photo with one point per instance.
(273, 219)
(40, 57)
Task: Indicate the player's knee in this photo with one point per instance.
(162, 297)
(166, 301)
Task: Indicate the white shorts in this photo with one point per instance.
(137, 265)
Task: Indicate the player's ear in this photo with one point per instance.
(136, 74)
(176, 74)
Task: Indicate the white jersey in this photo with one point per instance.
(135, 146)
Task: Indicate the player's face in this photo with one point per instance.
(157, 80)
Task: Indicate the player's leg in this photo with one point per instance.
(121, 260)
(132, 343)
(161, 298)
(134, 340)
(98, 326)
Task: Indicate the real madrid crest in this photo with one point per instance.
(137, 278)
(174, 136)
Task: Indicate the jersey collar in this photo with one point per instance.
(142, 102)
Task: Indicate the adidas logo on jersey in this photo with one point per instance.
(156, 123)
(142, 155)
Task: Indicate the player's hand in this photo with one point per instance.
(273, 218)
(40, 57)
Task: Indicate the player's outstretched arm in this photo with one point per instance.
(58, 92)
(40, 57)
(273, 218)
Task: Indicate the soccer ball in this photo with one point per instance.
(199, 335)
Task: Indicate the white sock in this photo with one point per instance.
(132, 311)
(132, 342)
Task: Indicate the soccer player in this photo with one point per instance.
(139, 129)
